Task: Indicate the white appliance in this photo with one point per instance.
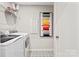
(15, 47)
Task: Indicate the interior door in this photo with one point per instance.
(66, 29)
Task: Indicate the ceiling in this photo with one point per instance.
(34, 3)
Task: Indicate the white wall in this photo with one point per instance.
(29, 17)
(3, 23)
(29, 22)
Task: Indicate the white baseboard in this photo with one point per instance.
(41, 49)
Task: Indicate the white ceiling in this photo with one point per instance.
(34, 3)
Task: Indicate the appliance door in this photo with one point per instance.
(66, 33)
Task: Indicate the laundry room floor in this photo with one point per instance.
(30, 53)
(42, 54)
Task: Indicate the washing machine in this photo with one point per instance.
(14, 45)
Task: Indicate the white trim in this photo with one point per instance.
(41, 50)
